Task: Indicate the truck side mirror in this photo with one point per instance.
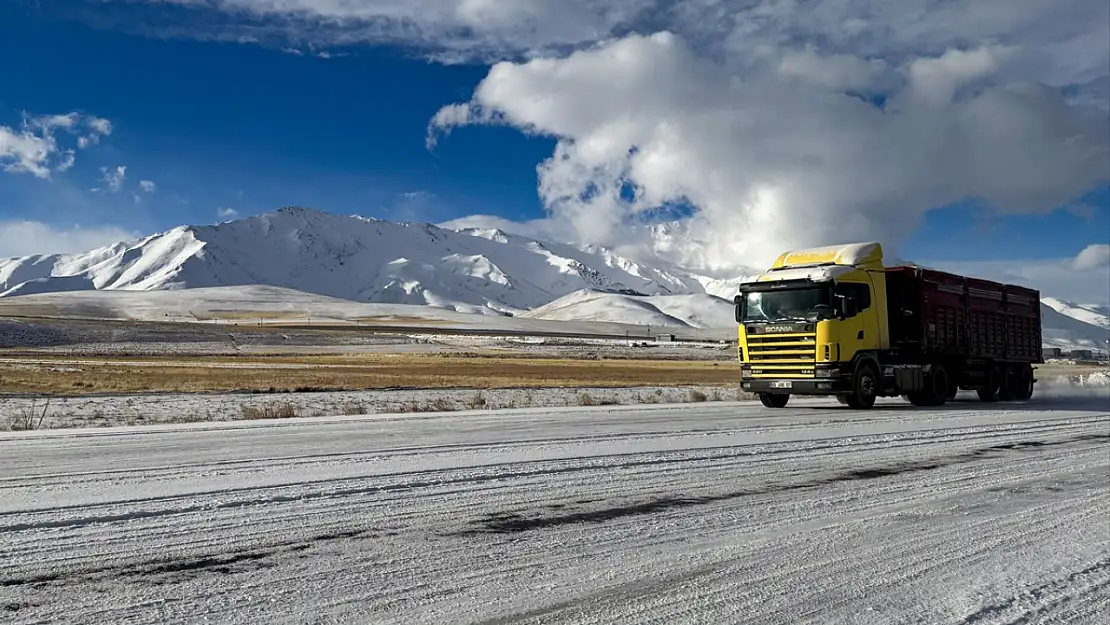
(738, 311)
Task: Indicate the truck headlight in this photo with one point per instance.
(826, 373)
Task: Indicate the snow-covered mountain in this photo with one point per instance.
(470, 270)
(1068, 332)
(366, 260)
(1087, 313)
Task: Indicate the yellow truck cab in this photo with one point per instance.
(814, 310)
(835, 321)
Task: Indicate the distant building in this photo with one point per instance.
(1082, 354)
(666, 338)
(1052, 352)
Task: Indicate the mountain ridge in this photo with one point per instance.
(360, 259)
(478, 270)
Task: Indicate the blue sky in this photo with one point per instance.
(219, 125)
(243, 127)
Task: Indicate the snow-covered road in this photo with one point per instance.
(707, 513)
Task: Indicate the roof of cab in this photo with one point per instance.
(868, 255)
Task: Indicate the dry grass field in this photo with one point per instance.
(475, 370)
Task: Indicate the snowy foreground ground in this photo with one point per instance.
(706, 513)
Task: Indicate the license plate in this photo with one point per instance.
(782, 384)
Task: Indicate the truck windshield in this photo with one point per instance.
(808, 304)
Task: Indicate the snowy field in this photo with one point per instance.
(708, 513)
(101, 411)
(110, 410)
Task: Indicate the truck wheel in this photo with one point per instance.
(1009, 383)
(936, 391)
(774, 400)
(994, 385)
(865, 387)
(1024, 391)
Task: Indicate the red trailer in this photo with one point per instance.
(986, 334)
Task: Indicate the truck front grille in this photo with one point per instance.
(782, 355)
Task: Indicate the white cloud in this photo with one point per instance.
(1065, 40)
(936, 80)
(1092, 257)
(25, 238)
(772, 162)
(35, 148)
(536, 229)
(418, 195)
(113, 178)
(25, 151)
(226, 213)
(738, 107)
(99, 125)
(147, 186)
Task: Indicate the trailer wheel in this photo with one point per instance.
(774, 400)
(936, 389)
(993, 388)
(865, 386)
(1024, 390)
(1007, 391)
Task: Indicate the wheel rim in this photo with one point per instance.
(867, 385)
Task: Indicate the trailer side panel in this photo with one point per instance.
(943, 314)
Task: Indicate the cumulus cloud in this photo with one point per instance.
(147, 186)
(1092, 257)
(35, 147)
(891, 109)
(224, 212)
(24, 238)
(771, 161)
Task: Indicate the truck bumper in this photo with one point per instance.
(829, 380)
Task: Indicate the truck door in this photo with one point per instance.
(861, 330)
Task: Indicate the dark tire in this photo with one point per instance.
(936, 393)
(1009, 383)
(865, 388)
(774, 400)
(993, 385)
(1024, 391)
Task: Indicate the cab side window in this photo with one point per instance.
(860, 293)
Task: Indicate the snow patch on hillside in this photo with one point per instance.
(60, 284)
(1068, 333)
(696, 311)
(1087, 313)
